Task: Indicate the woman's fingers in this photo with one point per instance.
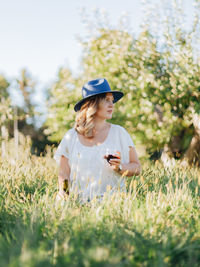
(118, 153)
(115, 161)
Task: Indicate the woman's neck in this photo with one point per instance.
(100, 125)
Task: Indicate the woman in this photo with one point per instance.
(82, 154)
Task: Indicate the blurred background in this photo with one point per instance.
(147, 49)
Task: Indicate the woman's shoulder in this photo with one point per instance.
(71, 130)
(118, 128)
(122, 132)
(69, 133)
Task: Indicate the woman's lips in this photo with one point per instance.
(109, 111)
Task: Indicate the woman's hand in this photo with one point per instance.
(133, 167)
(63, 177)
(63, 186)
(114, 163)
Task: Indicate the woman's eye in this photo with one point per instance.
(107, 100)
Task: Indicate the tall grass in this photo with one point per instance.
(156, 223)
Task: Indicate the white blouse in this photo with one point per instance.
(91, 174)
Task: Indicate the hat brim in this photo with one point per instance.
(116, 94)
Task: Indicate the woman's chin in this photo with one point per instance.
(109, 116)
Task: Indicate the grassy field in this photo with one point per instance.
(157, 223)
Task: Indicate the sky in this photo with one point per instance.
(41, 35)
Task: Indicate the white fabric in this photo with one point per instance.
(90, 173)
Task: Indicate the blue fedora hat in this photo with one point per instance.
(96, 87)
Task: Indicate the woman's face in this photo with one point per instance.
(106, 107)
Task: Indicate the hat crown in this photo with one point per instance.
(94, 87)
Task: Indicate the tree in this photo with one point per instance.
(160, 80)
(26, 86)
(5, 111)
(62, 98)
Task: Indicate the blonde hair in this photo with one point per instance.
(84, 122)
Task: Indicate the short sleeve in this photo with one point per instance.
(64, 147)
(126, 142)
(126, 138)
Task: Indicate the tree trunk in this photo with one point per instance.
(192, 155)
(16, 133)
(3, 143)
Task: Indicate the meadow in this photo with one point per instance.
(156, 223)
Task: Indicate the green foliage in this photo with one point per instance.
(61, 101)
(159, 73)
(6, 113)
(26, 86)
(161, 85)
(3, 87)
(156, 223)
(5, 102)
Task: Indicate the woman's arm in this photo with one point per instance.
(64, 173)
(134, 166)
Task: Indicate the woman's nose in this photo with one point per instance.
(111, 104)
